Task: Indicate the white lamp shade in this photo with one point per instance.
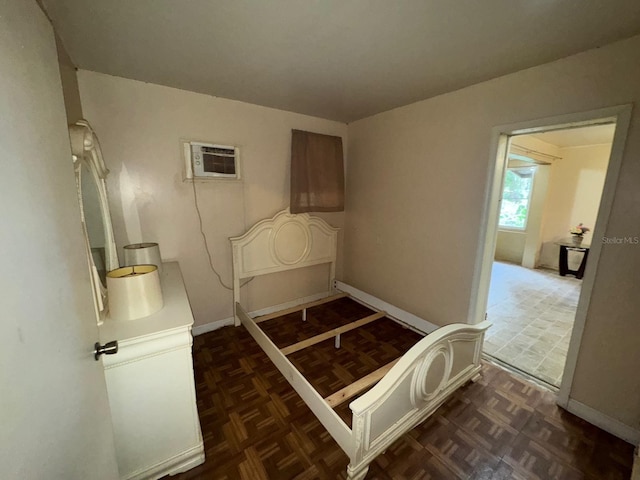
(134, 292)
(143, 254)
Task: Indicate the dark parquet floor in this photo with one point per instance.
(502, 427)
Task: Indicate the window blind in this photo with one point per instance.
(317, 173)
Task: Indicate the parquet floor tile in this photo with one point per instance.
(502, 427)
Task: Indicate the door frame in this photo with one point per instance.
(500, 139)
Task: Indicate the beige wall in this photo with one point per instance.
(68, 76)
(534, 223)
(417, 178)
(510, 246)
(574, 196)
(69, 79)
(140, 126)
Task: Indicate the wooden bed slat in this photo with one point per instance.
(298, 308)
(339, 430)
(331, 333)
(358, 386)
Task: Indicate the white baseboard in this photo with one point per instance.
(394, 312)
(210, 327)
(369, 300)
(180, 463)
(293, 303)
(606, 423)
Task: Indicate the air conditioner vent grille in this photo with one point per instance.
(212, 161)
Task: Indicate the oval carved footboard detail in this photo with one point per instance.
(431, 376)
(412, 390)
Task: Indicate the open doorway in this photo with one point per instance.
(551, 191)
(621, 116)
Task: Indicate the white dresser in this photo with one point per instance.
(151, 387)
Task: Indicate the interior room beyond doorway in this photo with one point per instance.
(553, 184)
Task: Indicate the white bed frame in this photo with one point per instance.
(409, 390)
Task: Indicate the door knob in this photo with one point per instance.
(108, 348)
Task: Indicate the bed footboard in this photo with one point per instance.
(413, 389)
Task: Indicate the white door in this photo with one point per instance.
(54, 414)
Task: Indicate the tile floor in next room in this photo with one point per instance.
(532, 312)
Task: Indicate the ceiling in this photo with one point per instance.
(336, 59)
(578, 137)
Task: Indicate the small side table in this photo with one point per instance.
(563, 264)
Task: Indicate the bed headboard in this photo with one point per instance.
(284, 242)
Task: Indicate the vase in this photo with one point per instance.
(577, 239)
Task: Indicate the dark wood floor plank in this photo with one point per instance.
(502, 427)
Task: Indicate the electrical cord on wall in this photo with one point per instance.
(206, 243)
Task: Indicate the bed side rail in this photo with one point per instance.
(325, 414)
(415, 387)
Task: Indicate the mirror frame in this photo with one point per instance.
(86, 151)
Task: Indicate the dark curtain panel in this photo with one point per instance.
(317, 173)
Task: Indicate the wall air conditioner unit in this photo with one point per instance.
(211, 161)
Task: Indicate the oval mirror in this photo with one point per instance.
(93, 221)
(91, 174)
